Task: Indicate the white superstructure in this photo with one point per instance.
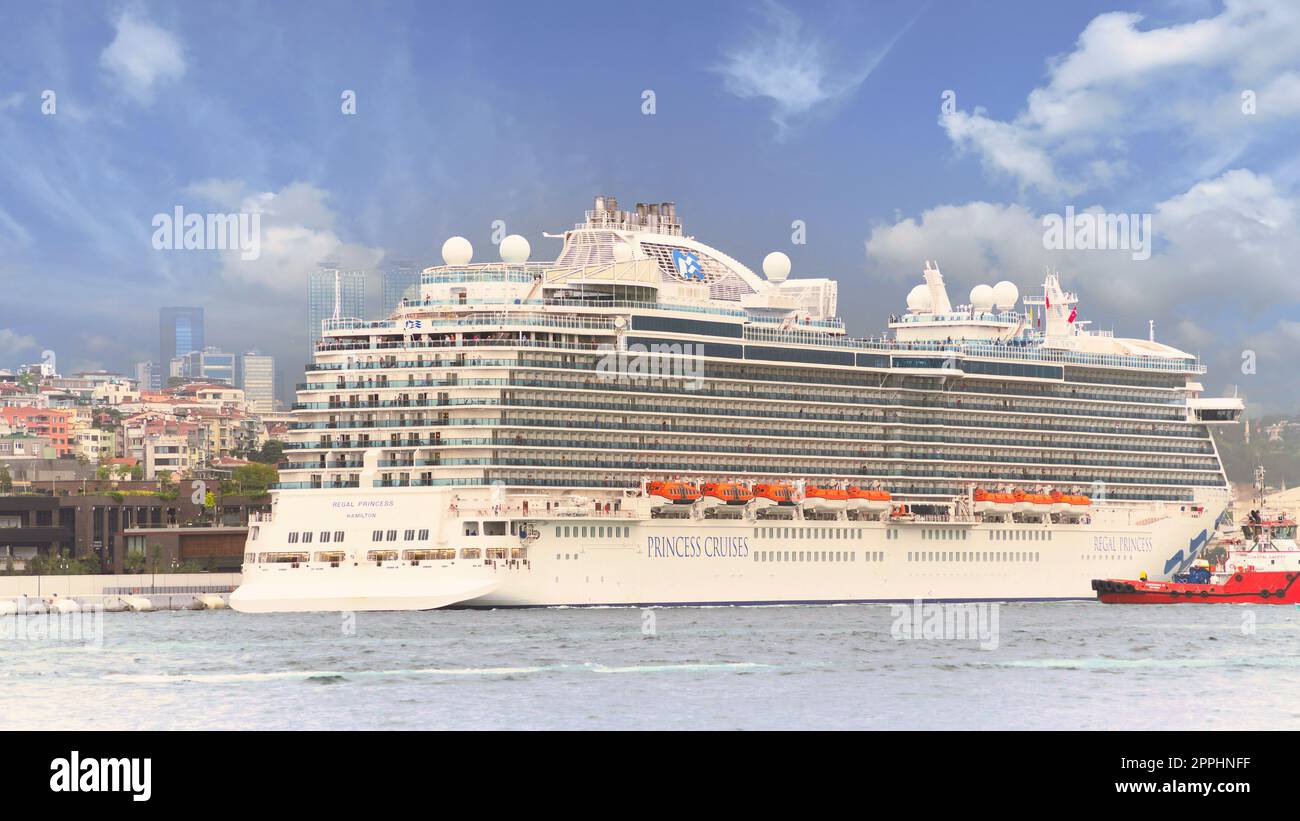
(492, 442)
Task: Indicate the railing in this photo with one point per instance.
(1031, 352)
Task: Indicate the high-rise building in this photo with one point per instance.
(257, 378)
(401, 280)
(180, 331)
(149, 375)
(326, 285)
(209, 365)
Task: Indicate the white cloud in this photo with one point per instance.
(12, 342)
(792, 68)
(1229, 242)
(1222, 265)
(142, 56)
(297, 234)
(1181, 83)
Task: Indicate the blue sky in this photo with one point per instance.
(766, 113)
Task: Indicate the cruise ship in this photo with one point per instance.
(648, 421)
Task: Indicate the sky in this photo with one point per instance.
(893, 132)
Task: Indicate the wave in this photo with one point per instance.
(335, 675)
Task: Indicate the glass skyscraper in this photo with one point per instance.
(320, 297)
(401, 281)
(180, 331)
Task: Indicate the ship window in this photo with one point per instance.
(377, 536)
(338, 535)
(392, 535)
(253, 535)
(494, 528)
(324, 536)
(626, 531)
(424, 535)
(293, 538)
(471, 529)
(409, 536)
(306, 538)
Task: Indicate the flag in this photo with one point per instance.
(1048, 299)
(1074, 312)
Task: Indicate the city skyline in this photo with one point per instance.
(885, 152)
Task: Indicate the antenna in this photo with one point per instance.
(338, 295)
(1152, 325)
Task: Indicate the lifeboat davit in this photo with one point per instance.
(816, 497)
(990, 502)
(724, 493)
(902, 513)
(677, 493)
(869, 500)
(773, 493)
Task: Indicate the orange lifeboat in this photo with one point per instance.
(902, 513)
(872, 501)
(1070, 504)
(725, 493)
(677, 493)
(1032, 502)
(993, 502)
(773, 494)
(817, 497)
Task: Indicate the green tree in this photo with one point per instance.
(6, 480)
(134, 563)
(254, 479)
(272, 452)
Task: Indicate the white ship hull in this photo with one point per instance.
(628, 559)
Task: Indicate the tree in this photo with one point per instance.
(135, 563)
(272, 452)
(6, 480)
(254, 479)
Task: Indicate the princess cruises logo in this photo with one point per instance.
(688, 265)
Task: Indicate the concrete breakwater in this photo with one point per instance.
(135, 592)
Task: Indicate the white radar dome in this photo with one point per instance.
(981, 298)
(622, 252)
(918, 299)
(515, 249)
(776, 266)
(1005, 295)
(457, 251)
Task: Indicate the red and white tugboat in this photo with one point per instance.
(1262, 567)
